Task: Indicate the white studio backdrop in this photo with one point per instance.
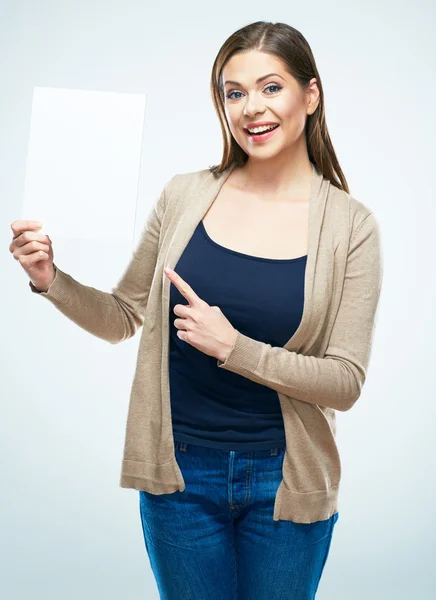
(68, 530)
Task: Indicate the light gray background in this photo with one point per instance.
(68, 531)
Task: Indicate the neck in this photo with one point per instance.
(281, 175)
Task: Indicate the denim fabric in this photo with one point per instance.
(217, 539)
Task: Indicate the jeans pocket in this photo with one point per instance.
(319, 531)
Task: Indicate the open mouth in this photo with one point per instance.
(262, 133)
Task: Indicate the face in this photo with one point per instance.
(277, 98)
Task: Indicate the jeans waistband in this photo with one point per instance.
(186, 447)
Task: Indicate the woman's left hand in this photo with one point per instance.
(203, 326)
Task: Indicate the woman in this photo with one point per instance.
(264, 333)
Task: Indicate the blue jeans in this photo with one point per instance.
(217, 539)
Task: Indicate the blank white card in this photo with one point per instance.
(83, 163)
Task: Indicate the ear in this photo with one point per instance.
(313, 96)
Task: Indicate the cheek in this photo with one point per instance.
(287, 108)
(235, 129)
(232, 118)
(293, 120)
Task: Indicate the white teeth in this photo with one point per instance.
(263, 128)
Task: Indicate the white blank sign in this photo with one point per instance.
(83, 162)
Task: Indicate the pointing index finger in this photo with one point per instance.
(184, 288)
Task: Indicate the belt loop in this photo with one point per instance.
(273, 452)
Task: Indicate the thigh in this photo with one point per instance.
(281, 560)
(189, 540)
(277, 560)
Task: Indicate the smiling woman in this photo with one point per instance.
(258, 332)
(272, 79)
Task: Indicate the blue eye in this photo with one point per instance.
(273, 85)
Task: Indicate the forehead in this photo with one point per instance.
(246, 67)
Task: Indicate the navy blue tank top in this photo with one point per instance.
(262, 298)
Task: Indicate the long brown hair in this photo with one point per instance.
(289, 45)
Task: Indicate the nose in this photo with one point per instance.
(253, 106)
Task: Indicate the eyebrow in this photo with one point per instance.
(257, 80)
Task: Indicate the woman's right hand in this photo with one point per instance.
(34, 252)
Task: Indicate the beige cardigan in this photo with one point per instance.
(320, 370)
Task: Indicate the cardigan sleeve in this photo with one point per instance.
(113, 316)
(336, 380)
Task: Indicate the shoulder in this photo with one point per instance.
(355, 212)
(184, 181)
(180, 189)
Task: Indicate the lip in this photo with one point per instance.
(259, 124)
(265, 137)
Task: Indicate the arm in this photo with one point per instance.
(117, 315)
(336, 380)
